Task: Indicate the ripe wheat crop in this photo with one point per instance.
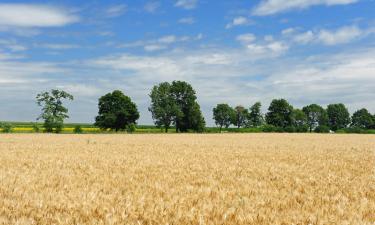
(187, 179)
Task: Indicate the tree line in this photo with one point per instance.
(175, 105)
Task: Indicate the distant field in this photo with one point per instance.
(187, 179)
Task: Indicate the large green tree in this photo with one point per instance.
(255, 115)
(53, 111)
(316, 116)
(338, 116)
(163, 107)
(280, 113)
(189, 115)
(299, 120)
(116, 111)
(240, 117)
(362, 119)
(223, 115)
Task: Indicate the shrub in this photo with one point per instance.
(302, 129)
(131, 128)
(7, 127)
(290, 129)
(36, 128)
(78, 129)
(268, 128)
(322, 129)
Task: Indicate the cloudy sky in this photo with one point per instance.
(235, 52)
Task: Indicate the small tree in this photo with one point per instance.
(116, 111)
(316, 116)
(299, 120)
(255, 116)
(362, 119)
(78, 129)
(338, 116)
(241, 115)
(280, 113)
(6, 127)
(223, 115)
(53, 111)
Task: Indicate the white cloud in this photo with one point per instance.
(186, 4)
(186, 20)
(246, 38)
(268, 7)
(57, 46)
(12, 45)
(152, 7)
(168, 39)
(239, 21)
(32, 15)
(338, 36)
(154, 47)
(116, 10)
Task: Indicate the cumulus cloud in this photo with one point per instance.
(239, 21)
(269, 7)
(186, 4)
(246, 38)
(33, 15)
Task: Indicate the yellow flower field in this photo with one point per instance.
(187, 179)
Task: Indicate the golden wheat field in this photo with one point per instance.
(187, 179)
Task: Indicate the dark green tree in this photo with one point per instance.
(188, 109)
(163, 107)
(223, 115)
(53, 111)
(316, 116)
(362, 119)
(255, 115)
(338, 116)
(240, 117)
(116, 111)
(280, 113)
(300, 120)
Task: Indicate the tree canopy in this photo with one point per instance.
(255, 115)
(362, 119)
(223, 115)
(53, 111)
(116, 111)
(280, 113)
(240, 117)
(316, 116)
(338, 116)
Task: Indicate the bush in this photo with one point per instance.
(7, 127)
(268, 128)
(302, 129)
(131, 128)
(290, 129)
(279, 130)
(78, 129)
(322, 129)
(36, 128)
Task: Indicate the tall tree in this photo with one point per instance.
(241, 115)
(223, 115)
(116, 111)
(255, 116)
(163, 107)
(53, 110)
(316, 116)
(362, 119)
(185, 98)
(280, 113)
(338, 116)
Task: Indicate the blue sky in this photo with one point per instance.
(236, 52)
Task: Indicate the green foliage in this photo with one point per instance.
(223, 115)
(189, 115)
(163, 107)
(116, 111)
(78, 129)
(290, 129)
(316, 115)
(322, 129)
(131, 128)
(240, 116)
(6, 127)
(53, 111)
(36, 128)
(280, 113)
(268, 128)
(362, 119)
(255, 117)
(338, 116)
